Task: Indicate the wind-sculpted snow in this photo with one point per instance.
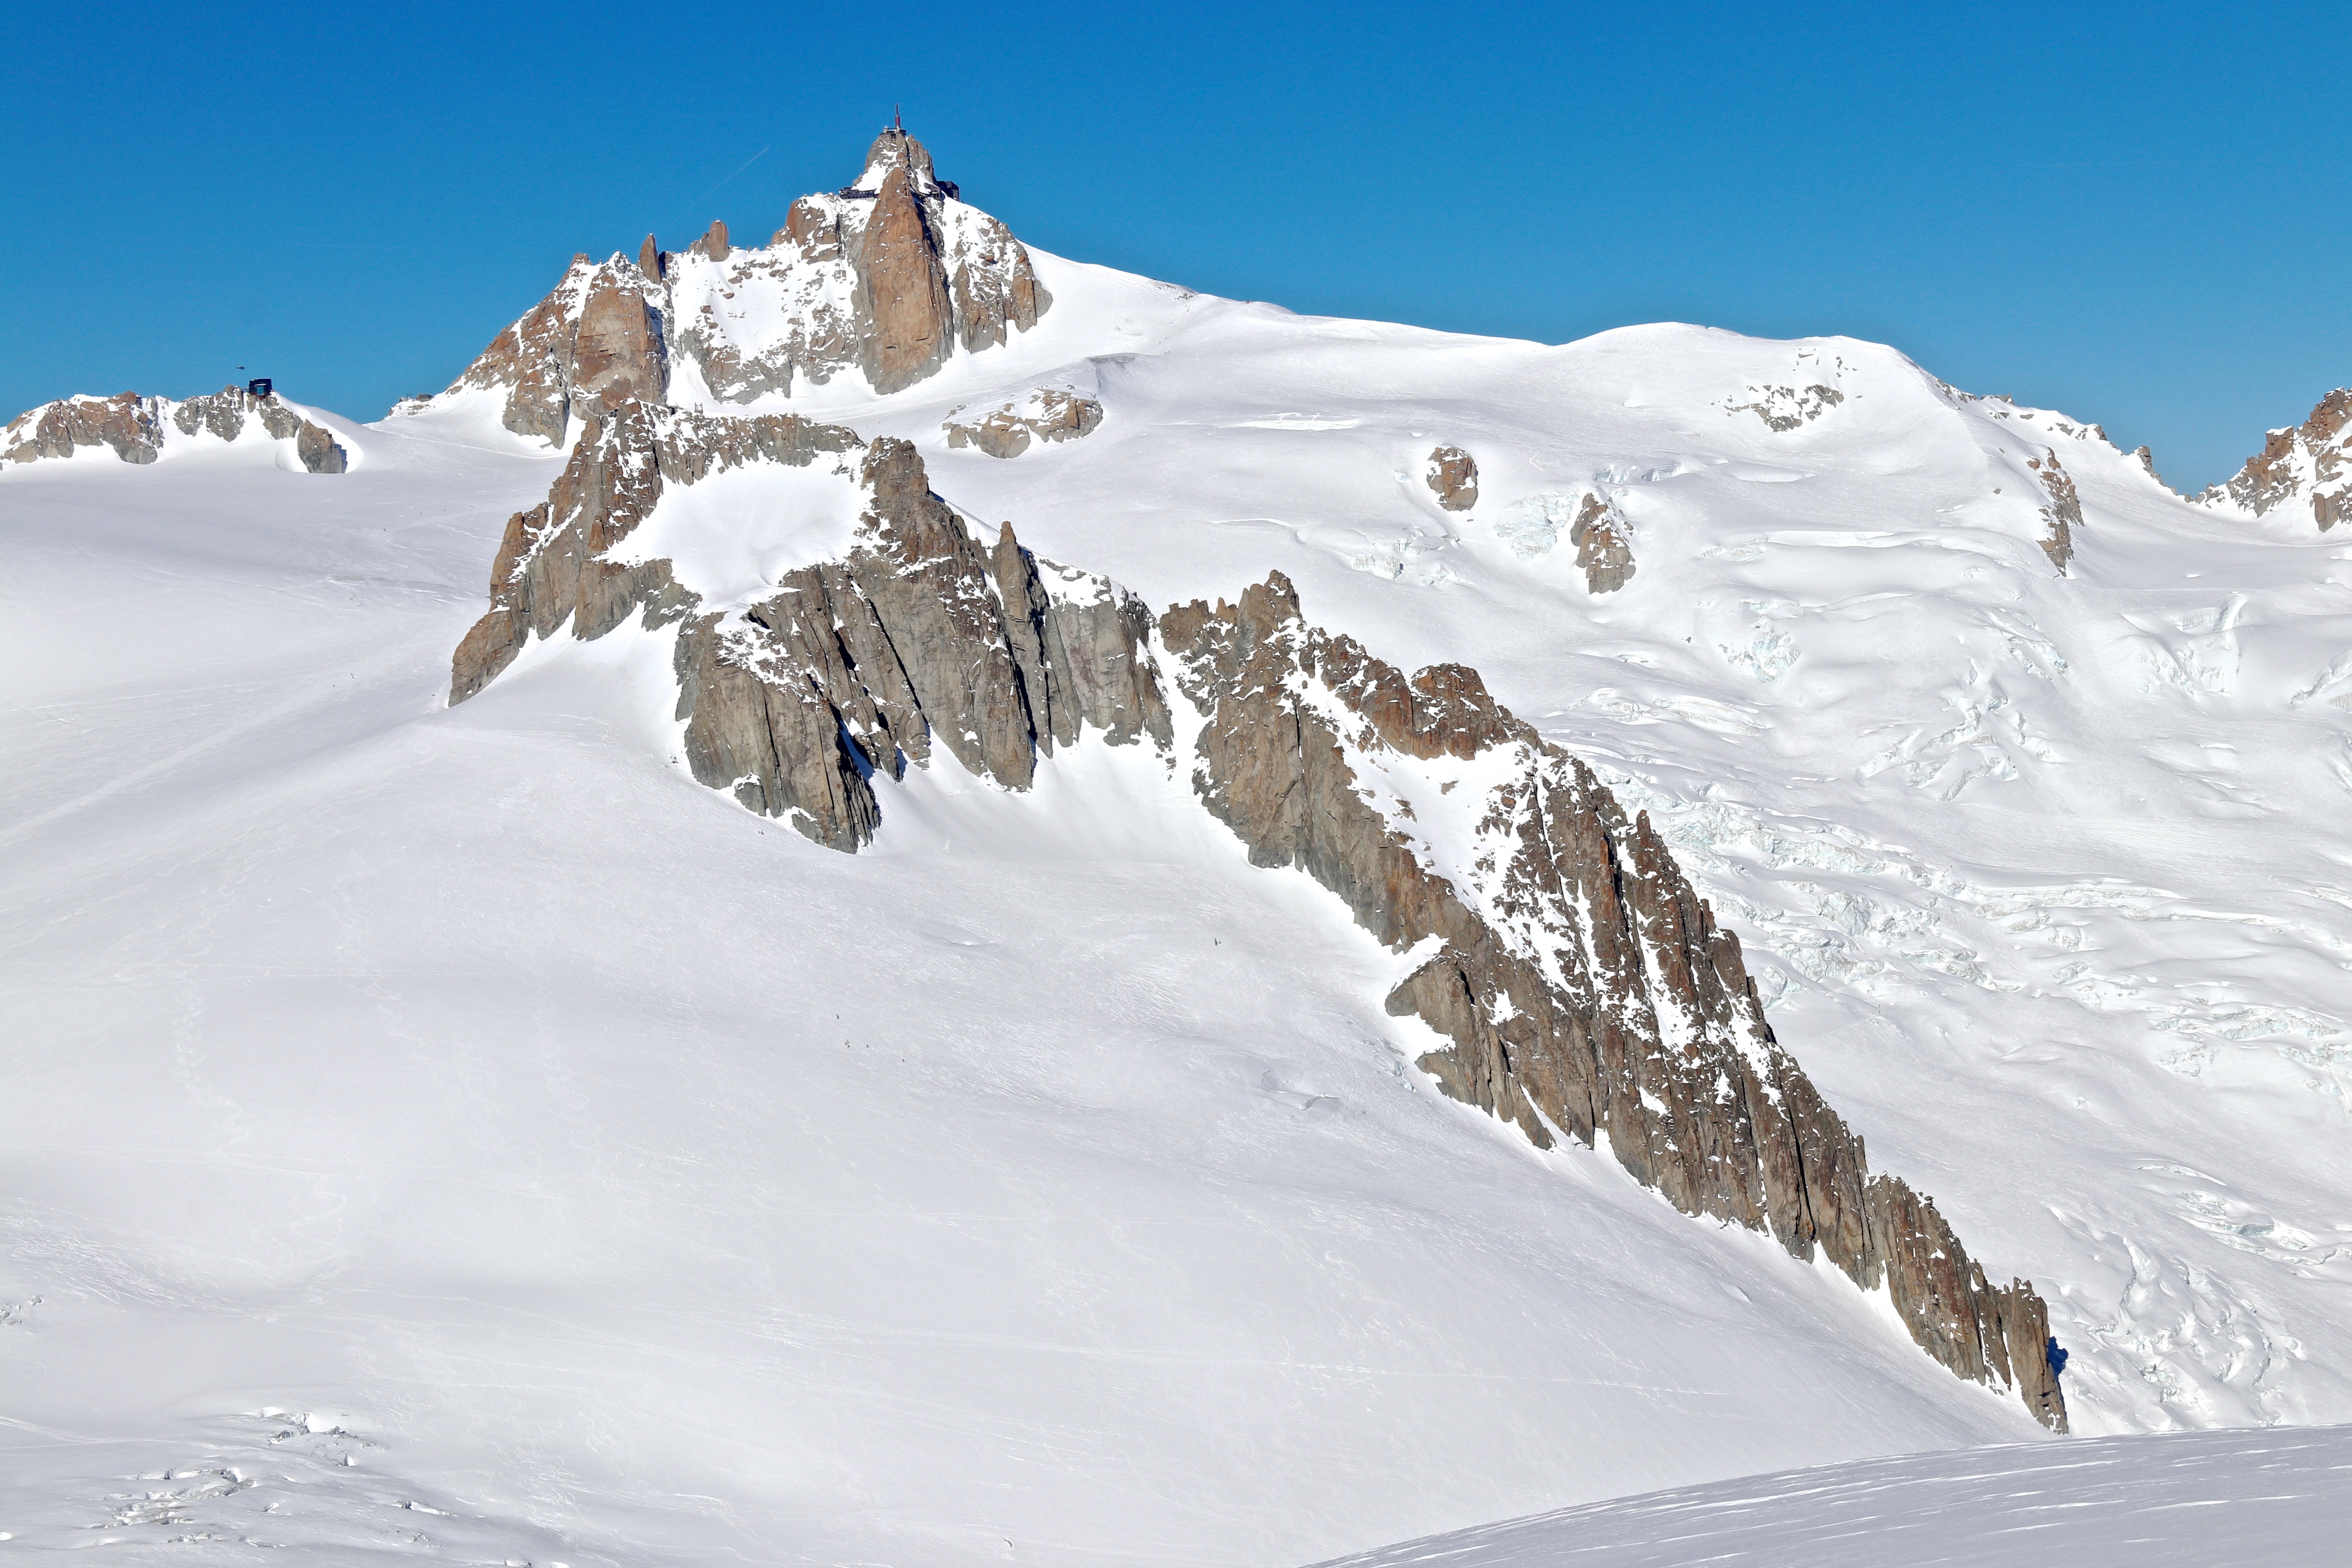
(1585, 989)
(2180, 1500)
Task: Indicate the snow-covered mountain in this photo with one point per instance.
(2299, 467)
(883, 281)
(466, 1122)
(146, 429)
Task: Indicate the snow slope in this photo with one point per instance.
(636, 1183)
(2049, 869)
(629, 1180)
(2185, 1498)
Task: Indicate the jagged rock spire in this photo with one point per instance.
(894, 149)
(890, 275)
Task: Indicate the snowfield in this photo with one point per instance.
(454, 1133)
(2181, 1501)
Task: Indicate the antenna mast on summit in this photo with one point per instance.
(898, 121)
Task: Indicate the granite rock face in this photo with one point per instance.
(887, 277)
(1453, 474)
(598, 339)
(137, 427)
(906, 325)
(920, 634)
(130, 424)
(2064, 514)
(552, 567)
(1605, 545)
(1049, 414)
(617, 355)
(1581, 986)
(2310, 464)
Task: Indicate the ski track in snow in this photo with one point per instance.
(628, 1181)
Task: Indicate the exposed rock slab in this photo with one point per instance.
(906, 324)
(1453, 474)
(920, 634)
(1605, 545)
(1049, 414)
(2063, 514)
(1787, 409)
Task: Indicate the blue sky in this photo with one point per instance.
(2135, 213)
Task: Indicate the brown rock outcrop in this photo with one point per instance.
(2311, 462)
(991, 284)
(888, 278)
(1453, 473)
(531, 361)
(617, 356)
(919, 634)
(135, 426)
(1605, 547)
(1051, 415)
(128, 422)
(551, 567)
(2063, 515)
(1583, 987)
(595, 342)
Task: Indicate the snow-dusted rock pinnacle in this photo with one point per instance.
(1581, 984)
(139, 429)
(888, 276)
(2307, 464)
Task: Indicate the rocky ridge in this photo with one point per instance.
(137, 428)
(2309, 463)
(888, 276)
(1580, 987)
(1049, 414)
(1605, 545)
(2063, 514)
